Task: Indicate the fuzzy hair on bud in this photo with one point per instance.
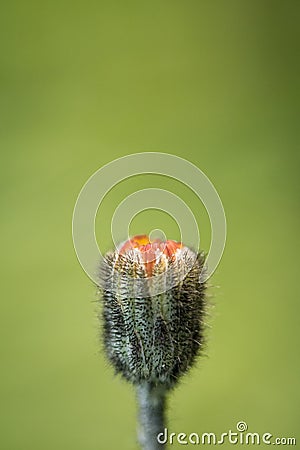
(153, 338)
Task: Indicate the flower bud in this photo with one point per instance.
(153, 309)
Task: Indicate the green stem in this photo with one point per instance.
(152, 408)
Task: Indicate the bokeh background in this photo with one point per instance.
(83, 83)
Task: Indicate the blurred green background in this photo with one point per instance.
(83, 83)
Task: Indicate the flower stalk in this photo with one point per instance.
(151, 416)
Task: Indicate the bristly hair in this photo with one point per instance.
(153, 338)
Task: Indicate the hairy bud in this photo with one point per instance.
(153, 330)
